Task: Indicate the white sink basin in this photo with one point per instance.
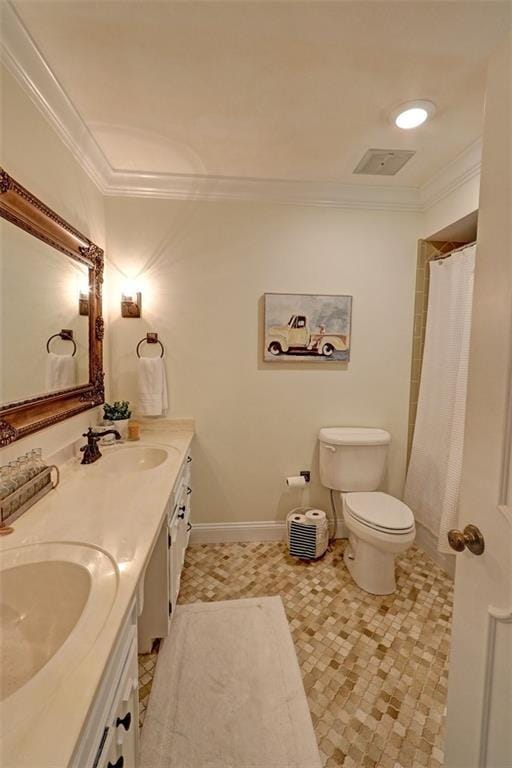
(133, 458)
(40, 605)
(54, 600)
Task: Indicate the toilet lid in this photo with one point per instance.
(380, 511)
(354, 436)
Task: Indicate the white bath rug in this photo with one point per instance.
(228, 692)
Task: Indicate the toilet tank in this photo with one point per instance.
(353, 458)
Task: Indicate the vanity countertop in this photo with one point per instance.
(121, 515)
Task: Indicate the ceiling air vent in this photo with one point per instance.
(383, 162)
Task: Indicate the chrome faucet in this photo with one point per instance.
(90, 450)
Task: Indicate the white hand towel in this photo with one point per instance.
(153, 399)
(60, 372)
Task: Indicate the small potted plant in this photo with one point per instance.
(118, 415)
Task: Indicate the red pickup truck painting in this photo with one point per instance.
(318, 329)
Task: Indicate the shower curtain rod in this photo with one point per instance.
(455, 250)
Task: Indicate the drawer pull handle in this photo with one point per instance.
(118, 764)
(189, 527)
(125, 721)
(189, 459)
(189, 490)
(181, 513)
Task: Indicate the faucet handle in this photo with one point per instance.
(90, 435)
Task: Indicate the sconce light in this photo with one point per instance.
(83, 304)
(131, 304)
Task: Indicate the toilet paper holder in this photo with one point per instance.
(298, 481)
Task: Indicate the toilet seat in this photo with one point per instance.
(380, 512)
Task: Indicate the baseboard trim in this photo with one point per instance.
(268, 530)
(257, 530)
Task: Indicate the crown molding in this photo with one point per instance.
(220, 188)
(23, 59)
(25, 62)
(458, 172)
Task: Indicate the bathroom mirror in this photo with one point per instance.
(51, 328)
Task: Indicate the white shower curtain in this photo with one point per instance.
(433, 479)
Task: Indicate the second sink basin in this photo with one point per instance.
(48, 591)
(40, 606)
(133, 458)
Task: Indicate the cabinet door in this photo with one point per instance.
(98, 746)
(114, 757)
(107, 753)
(188, 524)
(111, 755)
(126, 720)
(120, 743)
(182, 520)
(174, 562)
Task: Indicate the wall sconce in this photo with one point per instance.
(83, 303)
(131, 304)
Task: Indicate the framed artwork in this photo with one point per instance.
(308, 327)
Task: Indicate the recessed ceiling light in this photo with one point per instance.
(412, 114)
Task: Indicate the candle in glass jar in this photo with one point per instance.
(133, 430)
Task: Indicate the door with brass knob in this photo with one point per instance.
(478, 729)
(470, 538)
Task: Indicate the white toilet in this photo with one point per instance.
(353, 460)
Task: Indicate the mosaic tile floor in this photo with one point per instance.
(374, 668)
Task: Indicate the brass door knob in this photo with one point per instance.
(470, 538)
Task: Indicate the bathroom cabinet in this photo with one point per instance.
(83, 712)
(111, 736)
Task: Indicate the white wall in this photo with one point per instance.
(204, 268)
(32, 152)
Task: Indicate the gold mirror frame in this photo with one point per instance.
(21, 418)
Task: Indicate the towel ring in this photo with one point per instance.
(150, 338)
(65, 337)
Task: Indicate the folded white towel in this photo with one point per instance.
(60, 372)
(153, 399)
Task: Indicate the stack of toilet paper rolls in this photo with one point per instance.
(316, 517)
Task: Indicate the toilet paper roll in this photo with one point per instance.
(297, 518)
(316, 516)
(297, 481)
